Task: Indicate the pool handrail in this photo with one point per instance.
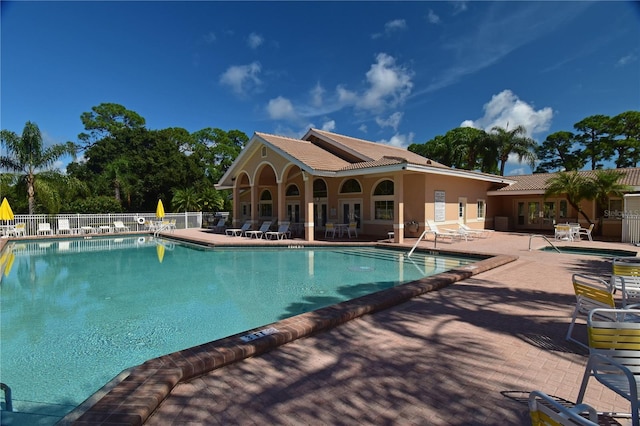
(545, 238)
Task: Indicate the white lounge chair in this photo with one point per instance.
(260, 232)
(280, 234)
(119, 226)
(238, 232)
(63, 227)
(44, 229)
(481, 233)
(448, 233)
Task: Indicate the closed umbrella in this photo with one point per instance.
(160, 210)
(5, 210)
(5, 214)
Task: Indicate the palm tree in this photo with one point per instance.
(577, 187)
(606, 183)
(27, 157)
(186, 200)
(514, 141)
(572, 185)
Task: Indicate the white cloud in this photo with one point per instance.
(395, 25)
(390, 27)
(254, 40)
(432, 18)
(399, 140)
(393, 121)
(316, 95)
(242, 78)
(506, 110)
(363, 128)
(329, 126)
(518, 172)
(281, 108)
(459, 7)
(210, 38)
(625, 60)
(389, 84)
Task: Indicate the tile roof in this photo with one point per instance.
(373, 151)
(538, 181)
(305, 152)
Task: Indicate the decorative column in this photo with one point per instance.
(309, 230)
(398, 208)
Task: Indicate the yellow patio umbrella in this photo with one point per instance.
(160, 252)
(5, 210)
(160, 210)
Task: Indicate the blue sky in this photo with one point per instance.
(391, 72)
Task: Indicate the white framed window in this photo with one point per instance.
(263, 151)
(482, 209)
(383, 207)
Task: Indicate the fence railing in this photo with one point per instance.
(134, 221)
(631, 229)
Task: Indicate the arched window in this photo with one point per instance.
(350, 186)
(384, 188)
(319, 189)
(266, 204)
(383, 200)
(293, 191)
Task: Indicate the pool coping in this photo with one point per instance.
(132, 396)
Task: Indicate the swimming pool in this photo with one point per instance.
(75, 313)
(591, 251)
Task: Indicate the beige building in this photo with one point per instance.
(330, 178)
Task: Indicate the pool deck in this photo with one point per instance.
(465, 354)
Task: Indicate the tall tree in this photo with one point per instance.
(624, 130)
(595, 139)
(216, 150)
(107, 119)
(27, 156)
(558, 153)
(515, 142)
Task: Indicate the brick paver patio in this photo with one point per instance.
(462, 355)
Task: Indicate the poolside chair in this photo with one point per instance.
(353, 228)
(63, 227)
(119, 226)
(282, 232)
(614, 354)
(44, 229)
(563, 233)
(481, 233)
(260, 232)
(238, 232)
(591, 293)
(19, 230)
(449, 233)
(549, 411)
(220, 226)
(585, 231)
(329, 228)
(625, 276)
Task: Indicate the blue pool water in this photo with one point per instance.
(75, 313)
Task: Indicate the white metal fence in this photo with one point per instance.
(631, 229)
(134, 221)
